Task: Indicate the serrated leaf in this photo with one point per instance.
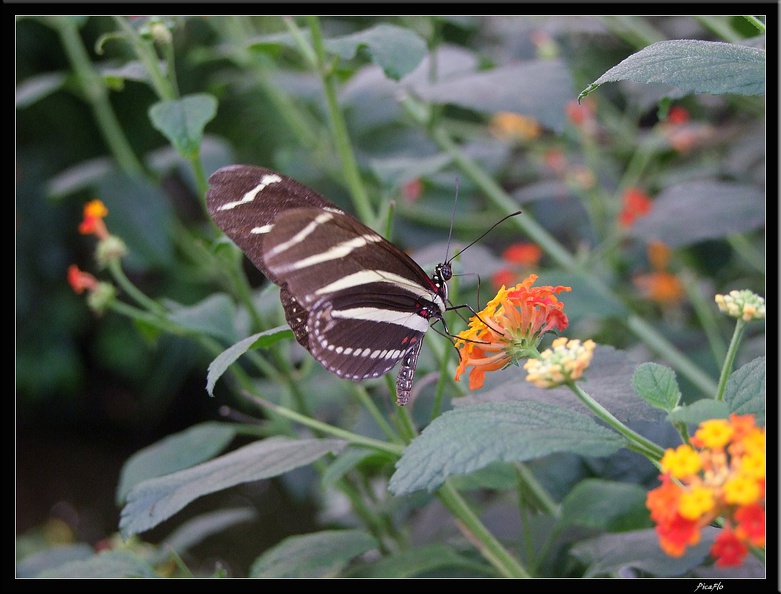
(111, 564)
(157, 499)
(692, 212)
(175, 452)
(606, 505)
(227, 357)
(214, 315)
(470, 438)
(394, 49)
(35, 88)
(695, 66)
(420, 561)
(608, 379)
(699, 411)
(537, 88)
(745, 391)
(656, 384)
(182, 121)
(317, 555)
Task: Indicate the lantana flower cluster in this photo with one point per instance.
(509, 328)
(720, 475)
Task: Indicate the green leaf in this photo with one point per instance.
(695, 66)
(317, 555)
(427, 559)
(111, 564)
(37, 87)
(226, 358)
(536, 88)
(81, 176)
(182, 121)
(345, 462)
(609, 554)
(606, 505)
(194, 531)
(745, 391)
(656, 384)
(470, 438)
(692, 212)
(175, 452)
(394, 49)
(157, 499)
(699, 411)
(213, 316)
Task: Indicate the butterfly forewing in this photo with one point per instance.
(354, 300)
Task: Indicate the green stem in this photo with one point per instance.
(115, 268)
(339, 128)
(756, 22)
(96, 94)
(146, 53)
(639, 443)
(353, 438)
(732, 350)
(479, 535)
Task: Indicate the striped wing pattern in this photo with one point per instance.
(354, 300)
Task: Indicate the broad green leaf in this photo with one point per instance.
(421, 561)
(317, 555)
(231, 354)
(692, 212)
(395, 49)
(345, 462)
(111, 564)
(467, 439)
(699, 411)
(195, 530)
(606, 505)
(157, 499)
(610, 554)
(656, 384)
(608, 379)
(182, 121)
(745, 391)
(37, 87)
(175, 452)
(214, 316)
(536, 88)
(695, 66)
(141, 214)
(81, 176)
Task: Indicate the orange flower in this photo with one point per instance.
(510, 126)
(509, 328)
(662, 287)
(92, 224)
(524, 253)
(727, 480)
(636, 204)
(580, 114)
(81, 281)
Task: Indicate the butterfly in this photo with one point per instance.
(356, 302)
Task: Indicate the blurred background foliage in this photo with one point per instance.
(91, 391)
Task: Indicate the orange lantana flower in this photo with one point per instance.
(726, 479)
(509, 328)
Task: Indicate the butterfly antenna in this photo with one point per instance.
(452, 222)
(491, 228)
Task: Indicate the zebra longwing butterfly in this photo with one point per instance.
(355, 301)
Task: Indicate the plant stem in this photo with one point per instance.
(732, 350)
(479, 535)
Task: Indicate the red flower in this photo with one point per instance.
(526, 254)
(81, 281)
(728, 550)
(92, 224)
(678, 115)
(636, 204)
